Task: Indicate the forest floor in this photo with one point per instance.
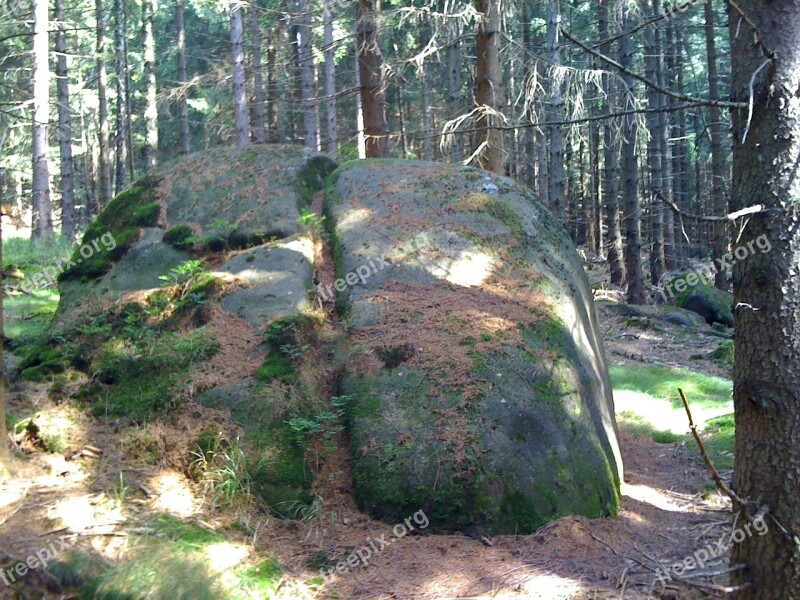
(90, 492)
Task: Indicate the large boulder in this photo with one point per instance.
(702, 298)
(477, 382)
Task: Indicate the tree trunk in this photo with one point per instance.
(272, 89)
(630, 171)
(680, 156)
(454, 86)
(5, 454)
(121, 63)
(610, 153)
(259, 128)
(239, 92)
(308, 88)
(103, 160)
(361, 138)
(371, 72)
(766, 287)
(489, 87)
(151, 110)
(654, 159)
(67, 187)
(183, 78)
(331, 133)
(42, 210)
(427, 111)
(555, 113)
(528, 133)
(718, 173)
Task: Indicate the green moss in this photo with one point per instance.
(262, 579)
(281, 477)
(713, 304)
(142, 380)
(275, 367)
(43, 361)
(123, 219)
(723, 354)
(180, 237)
(312, 178)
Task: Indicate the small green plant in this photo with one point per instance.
(222, 467)
(312, 221)
(120, 490)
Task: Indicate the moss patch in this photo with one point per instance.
(123, 219)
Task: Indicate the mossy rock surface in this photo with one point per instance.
(220, 200)
(711, 303)
(479, 386)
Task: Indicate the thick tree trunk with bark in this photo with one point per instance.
(151, 110)
(630, 172)
(427, 110)
(67, 185)
(718, 172)
(766, 282)
(610, 158)
(42, 210)
(103, 160)
(489, 87)
(259, 127)
(331, 132)
(237, 56)
(361, 137)
(370, 66)
(183, 77)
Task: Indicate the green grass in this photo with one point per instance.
(33, 255)
(657, 405)
(663, 382)
(27, 316)
(171, 560)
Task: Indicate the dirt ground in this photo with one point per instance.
(667, 513)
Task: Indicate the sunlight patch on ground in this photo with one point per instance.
(79, 513)
(652, 496)
(468, 269)
(225, 555)
(661, 414)
(173, 494)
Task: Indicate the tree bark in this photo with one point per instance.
(427, 111)
(308, 87)
(42, 209)
(151, 109)
(259, 126)
(361, 137)
(371, 72)
(331, 132)
(67, 186)
(489, 87)
(718, 173)
(237, 57)
(610, 153)
(272, 89)
(5, 454)
(183, 78)
(654, 158)
(121, 64)
(103, 160)
(766, 287)
(555, 113)
(630, 190)
(454, 86)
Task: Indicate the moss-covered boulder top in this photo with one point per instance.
(478, 382)
(205, 204)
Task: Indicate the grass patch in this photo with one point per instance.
(27, 316)
(663, 382)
